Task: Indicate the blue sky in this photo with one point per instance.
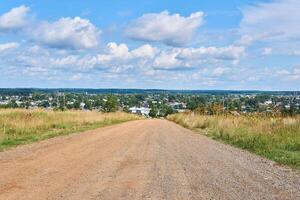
(191, 44)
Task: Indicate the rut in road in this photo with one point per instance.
(146, 159)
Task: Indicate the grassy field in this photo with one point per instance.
(277, 138)
(25, 126)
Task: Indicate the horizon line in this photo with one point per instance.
(160, 89)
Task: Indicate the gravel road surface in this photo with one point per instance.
(146, 159)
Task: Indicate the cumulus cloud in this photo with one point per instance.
(72, 33)
(220, 53)
(145, 51)
(191, 57)
(219, 71)
(15, 19)
(165, 27)
(288, 75)
(65, 33)
(121, 54)
(8, 46)
(142, 62)
(276, 20)
(65, 61)
(168, 60)
(247, 40)
(115, 55)
(114, 52)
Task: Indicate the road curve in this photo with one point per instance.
(147, 159)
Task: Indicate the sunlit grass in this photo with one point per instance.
(275, 138)
(18, 126)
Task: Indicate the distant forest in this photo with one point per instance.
(27, 91)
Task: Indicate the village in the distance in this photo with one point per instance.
(154, 103)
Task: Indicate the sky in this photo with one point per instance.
(191, 44)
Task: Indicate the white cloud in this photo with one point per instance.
(247, 40)
(193, 57)
(114, 52)
(65, 61)
(164, 27)
(76, 77)
(277, 20)
(219, 53)
(118, 56)
(8, 46)
(145, 51)
(219, 71)
(168, 60)
(144, 61)
(115, 55)
(36, 71)
(15, 19)
(295, 53)
(65, 33)
(72, 33)
(120, 53)
(267, 51)
(288, 75)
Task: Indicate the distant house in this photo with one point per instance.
(269, 102)
(82, 105)
(19, 102)
(70, 103)
(4, 102)
(140, 111)
(181, 110)
(177, 105)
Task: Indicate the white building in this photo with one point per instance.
(4, 102)
(82, 105)
(269, 102)
(140, 111)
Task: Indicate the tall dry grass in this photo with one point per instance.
(19, 126)
(276, 138)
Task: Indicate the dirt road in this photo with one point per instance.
(149, 159)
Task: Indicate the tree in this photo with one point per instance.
(216, 109)
(165, 110)
(201, 110)
(45, 104)
(169, 110)
(12, 104)
(27, 104)
(62, 103)
(70, 106)
(111, 105)
(126, 109)
(153, 111)
(77, 104)
(87, 105)
(194, 102)
(98, 103)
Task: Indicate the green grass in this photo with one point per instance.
(19, 127)
(277, 138)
